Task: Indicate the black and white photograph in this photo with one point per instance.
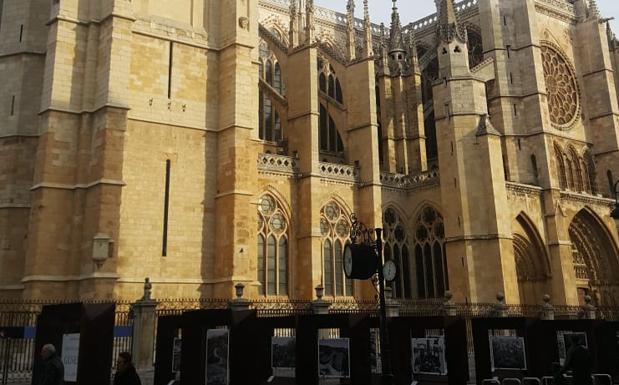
(176, 354)
(565, 340)
(334, 358)
(429, 356)
(375, 360)
(507, 353)
(283, 356)
(217, 345)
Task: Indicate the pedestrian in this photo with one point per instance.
(53, 369)
(579, 361)
(125, 371)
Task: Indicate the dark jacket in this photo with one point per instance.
(53, 371)
(580, 361)
(128, 377)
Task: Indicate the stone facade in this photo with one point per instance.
(222, 141)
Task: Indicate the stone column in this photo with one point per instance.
(500, 308)
(320, 306)
(587, 310)
(144, 322)
(548, 311)
(239, 303)
(449, 307)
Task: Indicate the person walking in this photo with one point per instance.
(579, 361)
(125, 371)
(53, 369)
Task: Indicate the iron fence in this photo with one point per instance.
(17, 352)
(18, 320)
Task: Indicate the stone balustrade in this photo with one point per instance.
(278, 163)
(340, 172)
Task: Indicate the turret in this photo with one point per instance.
(397, 53)
(453, 52)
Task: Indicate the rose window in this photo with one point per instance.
(562, 88)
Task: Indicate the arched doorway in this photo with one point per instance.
(595, 259)
(532, 265)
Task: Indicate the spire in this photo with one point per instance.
(294, 25)
(448, 26)
(310, 28)
(411, 45)
(593, 11)
(350, 30)
(367, 31)
(395, 38)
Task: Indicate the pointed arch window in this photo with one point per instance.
(396, 247)
(430, 257)
(329, 82)
(272, 248)
(335, 231)
(270, 72)
(330, 140)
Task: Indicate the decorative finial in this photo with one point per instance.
(350, 30)
(593, 11)
(367, 31)
(310, 28)
(148, 288)
(449, 28)
(395, 39)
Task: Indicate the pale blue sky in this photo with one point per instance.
(411, 10)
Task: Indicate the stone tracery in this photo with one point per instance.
(561, 86)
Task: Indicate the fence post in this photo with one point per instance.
(239, 303)
(548, 311)
(500, 308)
(144, 329)
(587, 310)
(320, 306)
(449, 308)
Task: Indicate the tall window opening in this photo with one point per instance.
(271, 88)
(272, 248)
(397, 248)
(430, 257)
(330, 140)
(335, 230)
(166, 207)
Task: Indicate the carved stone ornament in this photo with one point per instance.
(562, 88)
(244, 23)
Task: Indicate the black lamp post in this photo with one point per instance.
(615, 213)
(362, 259)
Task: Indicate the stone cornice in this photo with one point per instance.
(523, 189)
(587, 199)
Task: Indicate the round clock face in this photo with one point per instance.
(348, 261)
(389, 271)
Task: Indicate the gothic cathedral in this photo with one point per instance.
(217, 142)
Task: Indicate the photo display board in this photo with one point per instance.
(217, 357)
(375, 358)
(565, 340)
(70, 355)
(177, 347)
(507, 353)
(283, 356)
(428, 356)
(334, 358)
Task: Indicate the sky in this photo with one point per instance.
(411, 10)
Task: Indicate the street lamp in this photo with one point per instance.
(362, 259)
(615, 213)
